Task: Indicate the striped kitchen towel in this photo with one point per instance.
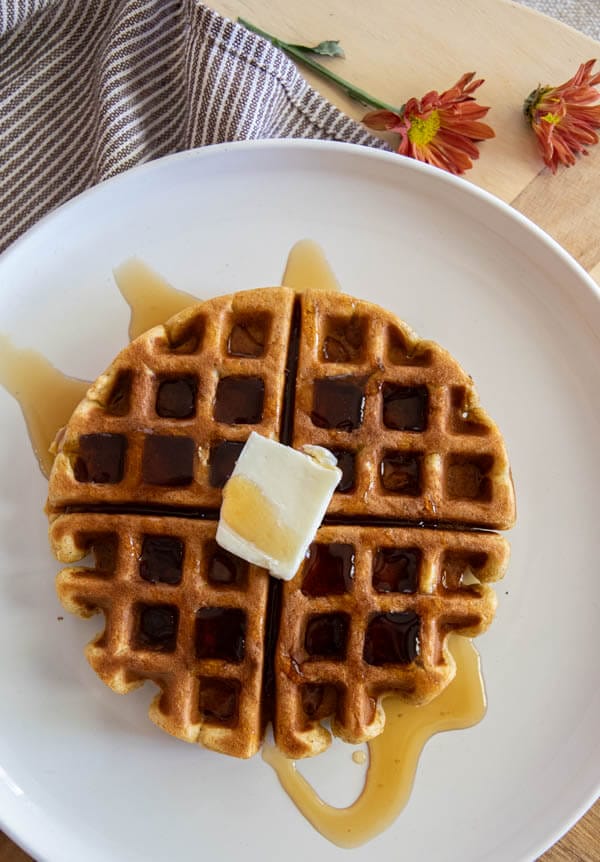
(89, 88)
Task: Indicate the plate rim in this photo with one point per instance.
(461, 183)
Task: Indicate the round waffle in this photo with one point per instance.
(401, 561)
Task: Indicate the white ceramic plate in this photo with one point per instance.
(83, 773)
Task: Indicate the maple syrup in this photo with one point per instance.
(157, 627)
(250, 514)
(248, 336)
(161, 560)
(346, 461)
(219, 700)
(225, 569)
(221, 461)
(396, 570)
(328, 569)
(401, 473)
(338, 402)
(239, 400)
(100, 459)
(47, 397)
(393, 756)
(151, 299)
(327, 636)
(176, 398)
(392, 638)
(221, 634)
(405, 407)
(307, 268)
(168, 461)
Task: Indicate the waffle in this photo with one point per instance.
(402, 417)
(165, 423)
(179, 611)
(368, 614)
(146, 454)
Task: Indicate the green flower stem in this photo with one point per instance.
(302, 57)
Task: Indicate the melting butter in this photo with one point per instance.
(46, 396)
(307, 268)
(151, 299)
(393, 756)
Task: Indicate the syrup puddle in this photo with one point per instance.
(150, 298)
(307, 268)
(393, 756)
(47, 398)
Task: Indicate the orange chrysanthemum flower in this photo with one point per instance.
(565, 118)
(442, 130)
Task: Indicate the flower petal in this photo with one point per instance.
(382, 120)
(565, 118)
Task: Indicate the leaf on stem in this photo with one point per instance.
(328, 48)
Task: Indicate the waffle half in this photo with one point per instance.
(137, 480)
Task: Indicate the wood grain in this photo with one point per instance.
(9, 852)
(567, 206)
(581, 844)
(404, 48)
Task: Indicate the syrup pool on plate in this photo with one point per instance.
(151, 299)
(47, 397)
(393, 756)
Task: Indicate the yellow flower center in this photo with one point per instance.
(422, 132)
(554, 119)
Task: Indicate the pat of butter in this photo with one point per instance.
(274, 503)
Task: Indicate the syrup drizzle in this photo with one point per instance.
(151, 299)
(46, 396)
(307, 268)
(393, 756)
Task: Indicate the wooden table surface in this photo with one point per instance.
(396, 49)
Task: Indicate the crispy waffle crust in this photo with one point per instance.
(401, 561)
